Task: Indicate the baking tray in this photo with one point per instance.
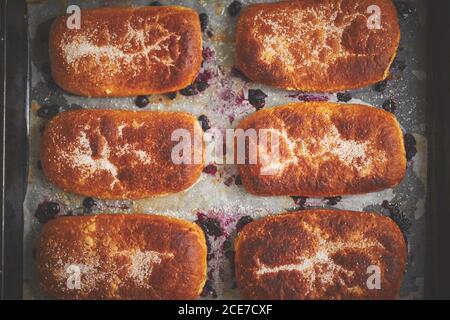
(26, 82)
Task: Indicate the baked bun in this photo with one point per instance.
(124, 256)
(320, 254)
(325, 150)
(317, 45)
(110, 154)
(127, 51)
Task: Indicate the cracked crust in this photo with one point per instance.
(111, 154)
(319, 254)
(326, 149)
(321, 46)
(122, 257)
(127, 51)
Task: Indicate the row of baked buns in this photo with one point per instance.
(315, 46)
(316, 254)
(325, 150)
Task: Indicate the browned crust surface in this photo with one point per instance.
(122, 257)
(319, 254)
(316, 45)
(112, 154)
(326, 149)
(127, 51)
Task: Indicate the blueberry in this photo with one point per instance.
(46, 211)
(409, 139)
(410, 146)
(89, 202)
(204, 121)
(201, 86)
(257, 98)
(238, 180)
(210, 226)
(210, 34)
(189, 91)
(344, 96)
(380, 86)
(142, 101)
(332, 201)
(171, 95)
(48, 112)
(242, 222)
(300, 201)
(386, 204)
(234, 8)
(155, 4)
(390, 106)
(204, 20)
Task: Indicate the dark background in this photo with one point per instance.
(438, 283)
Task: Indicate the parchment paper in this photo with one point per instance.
(225, 104)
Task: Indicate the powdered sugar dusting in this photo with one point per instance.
(316, 150)
(320, 266)
(142, 263)
(306, 38)
(135, 47)
(139, 266)
(83, 160)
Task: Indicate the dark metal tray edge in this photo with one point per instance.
(14, 135)
(437, 282)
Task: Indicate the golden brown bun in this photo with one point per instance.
(127, 51)
(122, 257)
(316, 45)
(320, 254)
(111, 154)
(326, 149)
